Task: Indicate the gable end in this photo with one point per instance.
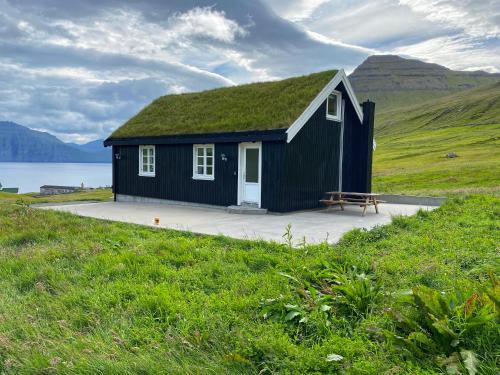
(320, 98)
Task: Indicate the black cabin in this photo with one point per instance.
(275, 145)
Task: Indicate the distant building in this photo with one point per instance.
(55, 189)
(14, 190)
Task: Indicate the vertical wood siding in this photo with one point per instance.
(311, 163)
(358, 149)
(273, 154)
(173, 175)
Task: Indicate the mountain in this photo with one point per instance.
(392, 81)
(21, 144)
(95, 147)
(445, 145)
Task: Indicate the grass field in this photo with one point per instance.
(412, 145)
(79, 295)
(32, 198)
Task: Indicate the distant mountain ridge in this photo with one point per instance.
(392, 81)
(21, 144)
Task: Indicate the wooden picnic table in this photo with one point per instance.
(344, 197)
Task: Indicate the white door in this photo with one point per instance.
(251, 173)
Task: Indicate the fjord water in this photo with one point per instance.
(30, 176)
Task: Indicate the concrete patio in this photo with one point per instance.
(315, 226)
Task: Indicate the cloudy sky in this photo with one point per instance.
(80, 68)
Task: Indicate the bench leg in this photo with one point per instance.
(364, 207)
(375, 203)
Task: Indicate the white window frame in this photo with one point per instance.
(204, 175)
(338, 95)
(142, 172)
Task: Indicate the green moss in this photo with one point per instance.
(256, 106)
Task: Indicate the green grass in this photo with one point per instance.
(32, 198)
(412, 144)
(256, 106)
(79, 295)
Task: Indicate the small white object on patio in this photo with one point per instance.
(313, 226)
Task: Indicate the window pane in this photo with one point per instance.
(210, 161)
(252, 165)
(210, 151)
(332, 105)
(210, 171)
(200, 151)
(200, 169)
(200, 161)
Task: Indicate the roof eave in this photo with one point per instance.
(226, 137)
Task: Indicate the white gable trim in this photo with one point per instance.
(320, 98)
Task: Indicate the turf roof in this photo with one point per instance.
(255, 106)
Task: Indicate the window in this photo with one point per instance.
(333, 106)
(203, 162)
(147, 161)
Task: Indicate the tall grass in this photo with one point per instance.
(79, 295)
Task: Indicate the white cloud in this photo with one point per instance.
(296, 10)
(455, 53)
(475, 18)
(372, 24)
(326, 40)
(472, 39)
(205, 22)
(461, 34)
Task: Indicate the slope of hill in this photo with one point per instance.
(412, 144)
(392, 81)
(95, 147)
(21, 144)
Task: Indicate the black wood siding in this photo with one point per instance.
(311, 163)
(173, 175)
(358, 149)
(273, 161)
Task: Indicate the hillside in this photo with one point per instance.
(393, 81)
(412, 144)
(21, 144)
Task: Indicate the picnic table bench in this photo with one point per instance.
(344, 198)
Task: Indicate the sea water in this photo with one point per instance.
(28, 177)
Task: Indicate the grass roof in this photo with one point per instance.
(255, 106)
